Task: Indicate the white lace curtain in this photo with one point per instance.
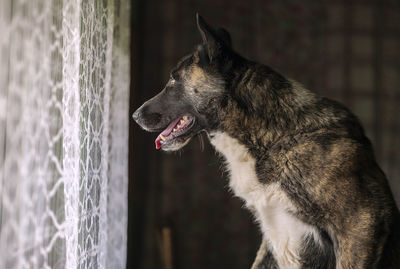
(64, 81)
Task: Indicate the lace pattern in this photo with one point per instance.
(63, 133)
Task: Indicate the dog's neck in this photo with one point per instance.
(264, 107)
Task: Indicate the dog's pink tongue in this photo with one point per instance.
(158, 143)
(166, 132)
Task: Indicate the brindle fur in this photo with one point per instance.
(314, 147)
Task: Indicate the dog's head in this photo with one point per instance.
(195, 92)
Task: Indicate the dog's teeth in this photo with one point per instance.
(185, 117)
(174, 129)
(182, 120)
(163, 138)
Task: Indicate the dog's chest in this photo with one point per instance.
(280, 228)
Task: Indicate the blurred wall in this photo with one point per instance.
(345, 50)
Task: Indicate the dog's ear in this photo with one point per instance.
(224, 35)
(214, 40)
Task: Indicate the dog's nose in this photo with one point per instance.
(136, 115)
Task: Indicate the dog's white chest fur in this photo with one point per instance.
(283, 231)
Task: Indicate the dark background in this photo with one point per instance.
(345, 50)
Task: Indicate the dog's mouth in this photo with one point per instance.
(177, 128)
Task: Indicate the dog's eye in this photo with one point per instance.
(172, 80)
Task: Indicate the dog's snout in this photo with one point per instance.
(146, 118)
(136, 115)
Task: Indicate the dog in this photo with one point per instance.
(301, 163)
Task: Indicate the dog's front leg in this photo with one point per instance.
(264, 258)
